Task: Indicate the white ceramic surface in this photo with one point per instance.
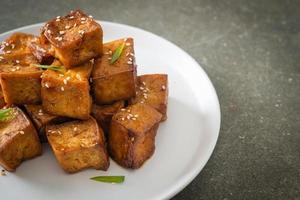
(184, 142)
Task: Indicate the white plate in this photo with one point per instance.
(184, 142)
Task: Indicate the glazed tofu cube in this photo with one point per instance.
(67, 93)
(104, 113)
(41, 118)
(114, 81)
(18, 140)
(131, 139)
(20, 81)
(76, 38)
(152, 89)
(78, 145)
(17, 43)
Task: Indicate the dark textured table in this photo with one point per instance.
(251, 52)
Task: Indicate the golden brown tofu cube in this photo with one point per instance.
(114, 81)
(20, 81)
(41, 118)
(67, 93)
(78, 145)
(131, 139)
(76, 38)
(104, 113)
(18, 140)
(152, 89)
(17, 43)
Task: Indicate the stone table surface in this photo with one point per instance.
(251, 52)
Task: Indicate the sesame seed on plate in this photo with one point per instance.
(75, 128)
(163, 87)
(62, 32)
(132, 139)
(58, 38)
(21, 132)
(143, 83)
(133, 118)
(127, 44)
(129, 62)
(123, 109)
(68, 78)
(127, 54)
(62, 88)
(131, 54)
(17, 61)
(40, 113)
(8, 52)
(136, 115)
(91, 80)
(61, 75)
(46, 85)
(90, 16)
(12, 46)
(58, 19)
(49, 31)
(128, 117)
(67, 27)
(65, 81)
(128, 111)
(71, 17)
(82, 18)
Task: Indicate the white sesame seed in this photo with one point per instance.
(128, 111)
(81, 32)
(17, 61)
(75, 25)
(57, 20)
(131, 54)
(129, 62)
(49, 31)
(61, 75)
(127, 44)
(13, 70)
(67, 27)
(109, 58)
(91, 80)
(136, 115)
(71, 17)
(133, 118)
(78, 77)
(65, 81)
(46, 85)
(21, 132)
(62, 88)
(122, 118)
(110, 51)
(75, 128)
(62, 32)
(131, 115)
(128, 117)
(82, 18)
(82, 22)
(17, 68)
(143, 83)
(68, 78)
(141, 88)
(58, 38)
(90, 16)
(125, 39)
(12, 46)
(130, 59)
(40, 110)
(132, 139)
(40, 113)
(123, 109)
(127, 54)
(163, 87)
(8, 52)
(57, 17)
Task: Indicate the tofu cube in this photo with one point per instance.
(20, 81)
(114, 81)
(76, 38)
(152, 89)
(104, 113)
(18, 140)
(78, 145)
(67, 93)
(131, 139)
(41, 118)
(17, 43)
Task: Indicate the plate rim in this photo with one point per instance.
(194, 172)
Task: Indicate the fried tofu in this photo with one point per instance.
(131, 139)
(17, 43)
(75, 37)
(41, 118)
(20, 80)
(152, 89)
(18, 140)
(78, 145)
(114, 82)
(104, 113)
(67, 93)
